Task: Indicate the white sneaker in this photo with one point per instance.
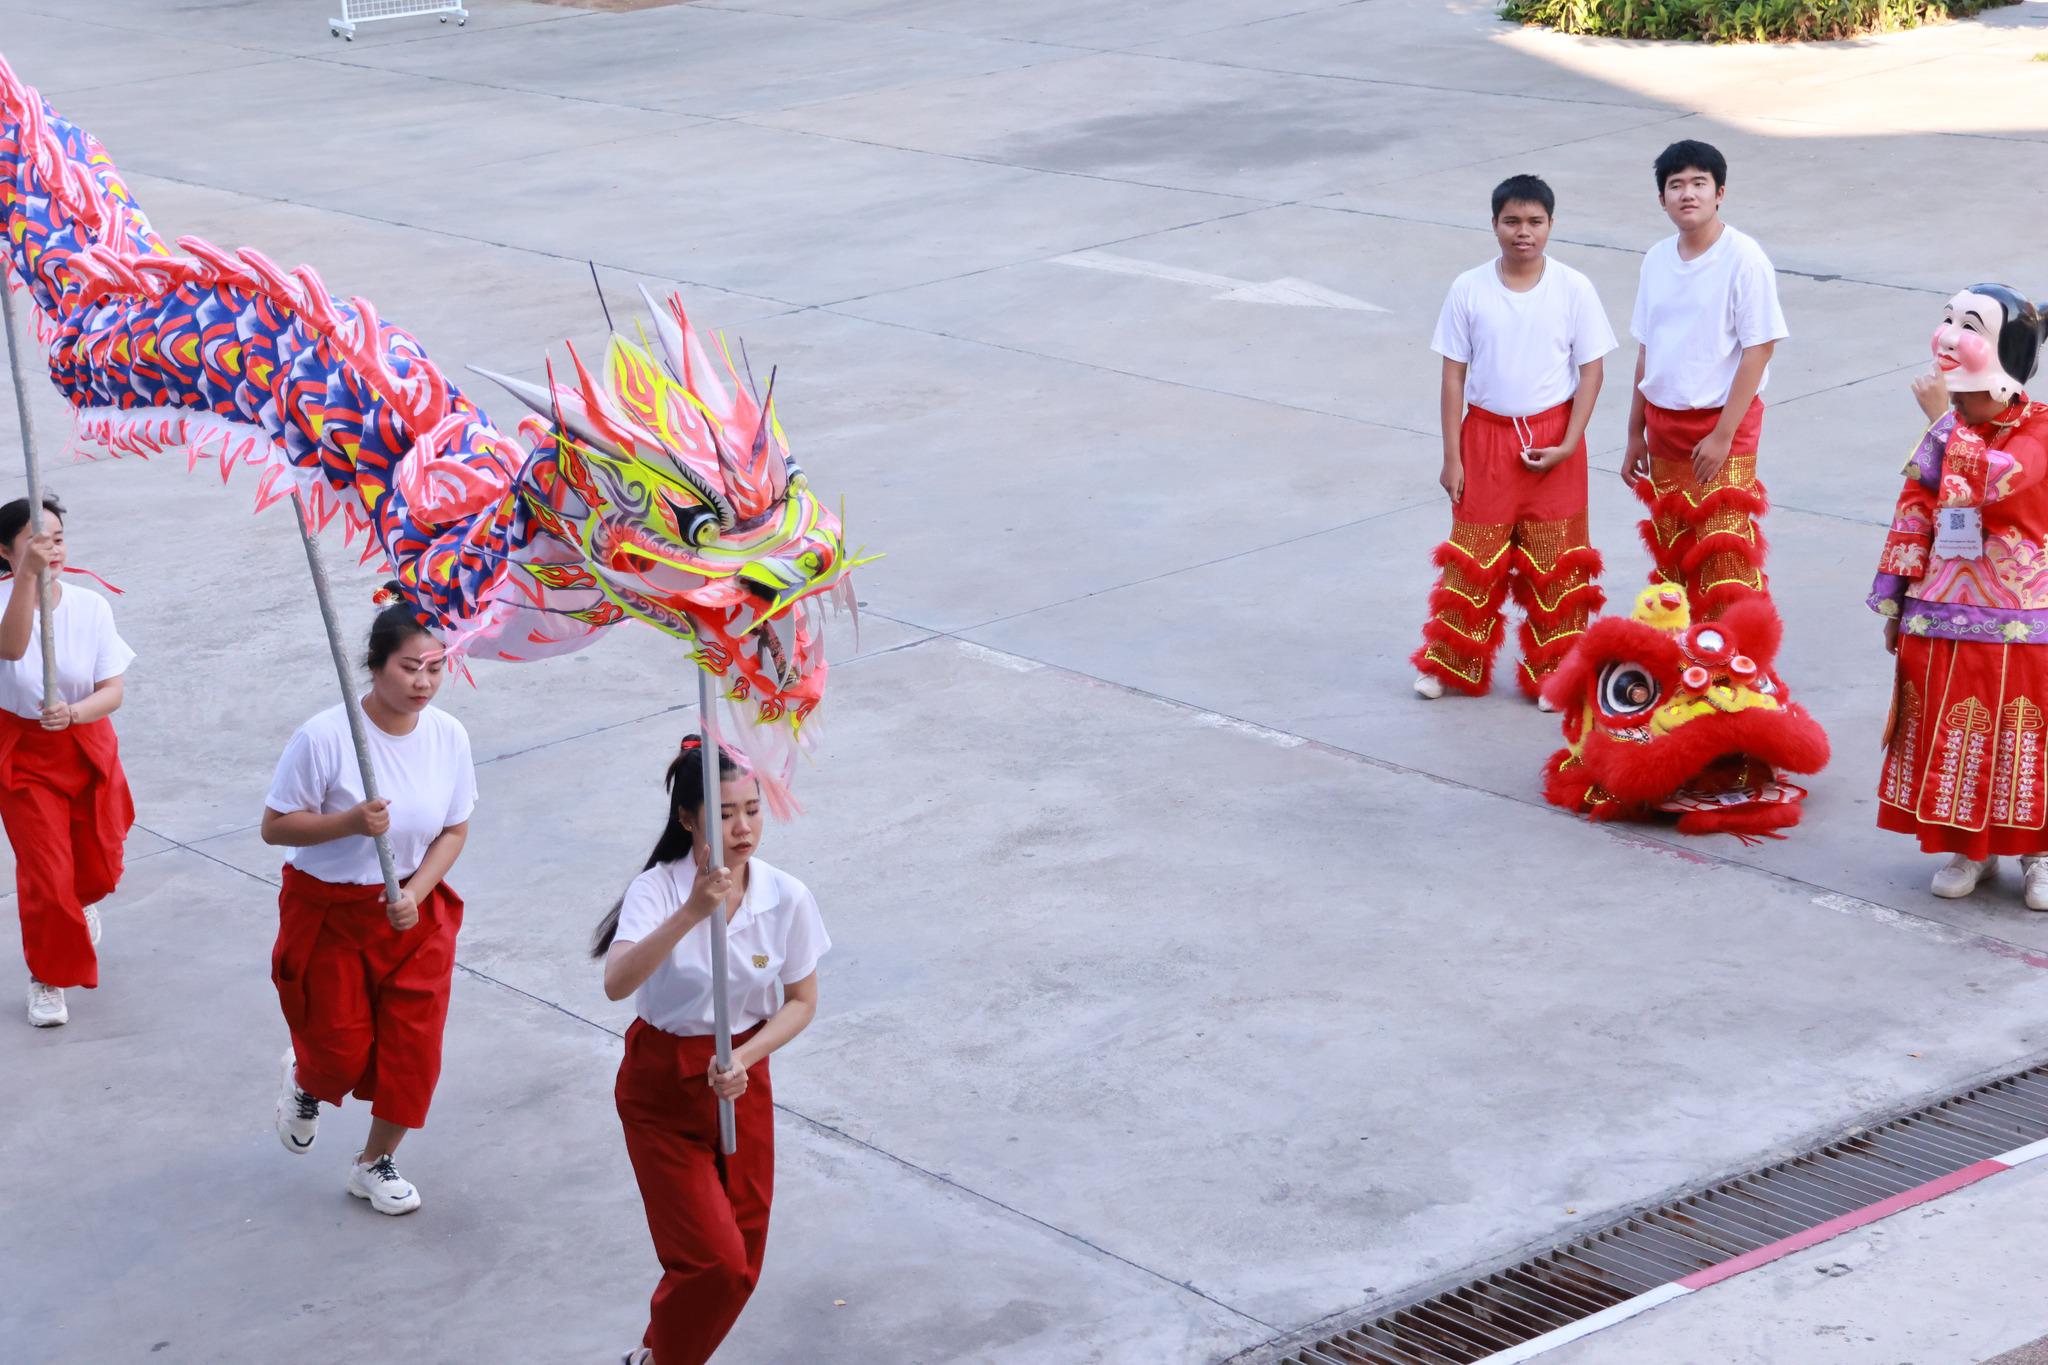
(2035, 866)
(1428, 687)
(1543, 705)
(298, 1114)
(46, 1005)
(379, 1182)
(639, 1355)
(1959, 876)
(92, 924)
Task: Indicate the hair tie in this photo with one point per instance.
(383, 597)
(692, 743)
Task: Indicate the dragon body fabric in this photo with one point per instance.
(1666, 718)
(663, 492)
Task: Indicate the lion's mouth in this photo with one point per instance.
(1733, 782)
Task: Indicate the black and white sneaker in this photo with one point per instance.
(298, 1114)
(379, 1182)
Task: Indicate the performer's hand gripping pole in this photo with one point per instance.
(714, 854)
(351, 705)
(44, 607)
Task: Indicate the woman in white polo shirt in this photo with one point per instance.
(63, 795)
(708, 1213)
(364, 984)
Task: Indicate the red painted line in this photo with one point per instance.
(1835, 1227)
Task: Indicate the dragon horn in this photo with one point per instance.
(670, 334)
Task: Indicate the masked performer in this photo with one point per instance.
(1522, 338)
(63, 795)
(364, 983)
(1963, 588)
(708, 1212)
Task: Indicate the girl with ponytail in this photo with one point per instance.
(708, 1213)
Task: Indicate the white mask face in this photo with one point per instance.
(1966, 347)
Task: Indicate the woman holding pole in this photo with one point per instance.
(63, 796)
(363, 966)
(707, 1200)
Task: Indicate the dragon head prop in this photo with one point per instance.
(674, 487)
(1664, 717)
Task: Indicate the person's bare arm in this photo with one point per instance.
(304, 828)
(1636, 463)
(629, 962)
(799, 1007)
(1711, 454)
(1591, 375)
(1451, 414)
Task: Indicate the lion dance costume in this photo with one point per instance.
(664, 493)
(1667, 717)
(1964, 573)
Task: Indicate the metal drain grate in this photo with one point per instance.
(1734, 1221)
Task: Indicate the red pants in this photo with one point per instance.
(365, 1003)
(1514, 531)
(708, 1212)
(1704, 537)
(65, 803)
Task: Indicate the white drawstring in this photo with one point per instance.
(1524, 433)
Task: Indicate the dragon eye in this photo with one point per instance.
(1627, 689)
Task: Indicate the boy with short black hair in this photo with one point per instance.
(1521, 338)
(1708, 320)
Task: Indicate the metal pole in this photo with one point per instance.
(45, 606)
(714, 853)
(350, 703)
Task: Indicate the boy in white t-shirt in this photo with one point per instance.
(1708, 319)
(1522, 339)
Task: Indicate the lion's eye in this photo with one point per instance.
(1627, 689)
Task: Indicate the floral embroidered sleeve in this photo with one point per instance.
(1974, 472)
(1911, 538)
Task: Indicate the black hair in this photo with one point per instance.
(685, 782)
(394, 625)
(1691, 156)
(2020, 338)
(1523, 189)
(14, 516)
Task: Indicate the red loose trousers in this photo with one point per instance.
(65, 802)
(708, 1212)
(366, 1004)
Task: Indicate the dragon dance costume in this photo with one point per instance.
(1964, 573)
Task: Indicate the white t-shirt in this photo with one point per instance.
(427, 776)
(89, 651)
(1696, 317)
(1523, 350)
(773, 940)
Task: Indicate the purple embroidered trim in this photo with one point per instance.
(1948, 621)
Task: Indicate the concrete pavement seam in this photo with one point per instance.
(1127, 374)
(1627, 835)
(935, 1176)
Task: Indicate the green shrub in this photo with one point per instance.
(1738, 21)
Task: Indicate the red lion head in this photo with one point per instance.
(1662, 716)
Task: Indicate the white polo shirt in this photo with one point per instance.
(773, 940)
(1695, 318)
(89, 652)
(427, 776)
(1522, 350)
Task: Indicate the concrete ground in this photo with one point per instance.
(1194, 983)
